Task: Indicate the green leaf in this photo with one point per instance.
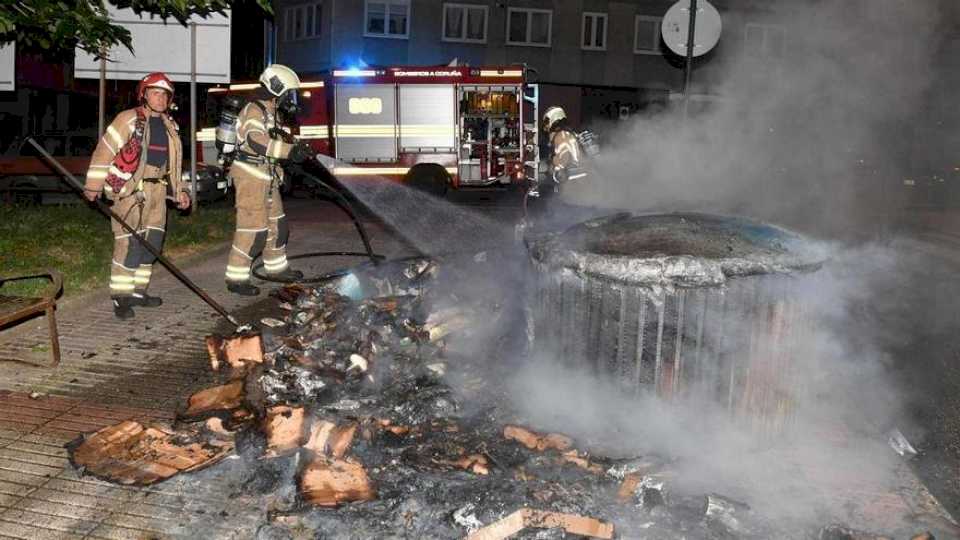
(61, 25)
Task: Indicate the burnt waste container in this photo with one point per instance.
(679, 305)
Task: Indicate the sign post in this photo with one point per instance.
(691, 33)
(193, 113)
(691, 28)
(101, 120)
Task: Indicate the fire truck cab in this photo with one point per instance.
(436, 128)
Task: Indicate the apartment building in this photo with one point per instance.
(597, 58)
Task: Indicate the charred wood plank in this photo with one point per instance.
(331, 482)
(536, 441)
(528, 517)
(285, 428)
(239, 352)
(132, 454)
(213, 401)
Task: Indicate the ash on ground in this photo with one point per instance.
(377, 408)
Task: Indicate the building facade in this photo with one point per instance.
(598, 58)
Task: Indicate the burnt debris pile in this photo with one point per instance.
(376, 408)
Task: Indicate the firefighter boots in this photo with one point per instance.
(243, 288)
(145, 300)
(122, 307)
(288, 275)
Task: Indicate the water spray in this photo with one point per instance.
(335, 189)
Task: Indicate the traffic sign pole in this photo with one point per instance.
(691, 35)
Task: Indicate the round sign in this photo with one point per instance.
(676, 26)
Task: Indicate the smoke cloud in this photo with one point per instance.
(815, 138)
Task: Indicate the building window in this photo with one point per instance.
(594, 34)
(465, 22)
(646, 34)
(764, 40)
(389, 19)
(302, 22)
(530, 27)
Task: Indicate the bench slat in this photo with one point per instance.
(13, 308)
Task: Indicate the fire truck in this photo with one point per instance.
(436, 128)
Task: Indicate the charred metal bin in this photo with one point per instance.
(681, 305)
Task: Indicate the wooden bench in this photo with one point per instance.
(17, 308)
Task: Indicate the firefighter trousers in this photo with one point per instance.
(261, 222)
(132, 265)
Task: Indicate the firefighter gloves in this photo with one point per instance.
(301, 152)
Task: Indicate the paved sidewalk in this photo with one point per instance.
(142, 369)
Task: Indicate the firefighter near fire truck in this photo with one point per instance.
(137, 164)
(257, 175)
(566, 157)
(568, 170)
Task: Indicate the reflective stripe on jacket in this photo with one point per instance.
(254, 131)
(113, 139)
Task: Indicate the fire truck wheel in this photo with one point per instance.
(431, 179)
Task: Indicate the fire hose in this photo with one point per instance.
(106, 210)
(335, 189)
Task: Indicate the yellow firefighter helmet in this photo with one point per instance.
(279, 79)
(552, 116)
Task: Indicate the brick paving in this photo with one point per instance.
(140, 369)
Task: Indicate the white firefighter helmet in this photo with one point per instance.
(552, 116)
(278, 79)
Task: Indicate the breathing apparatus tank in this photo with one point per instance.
(226, 132)
(589, 142)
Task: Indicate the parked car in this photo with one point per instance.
(212, 185)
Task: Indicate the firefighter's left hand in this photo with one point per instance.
(183, 200)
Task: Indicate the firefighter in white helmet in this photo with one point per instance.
(566, 157)
(137, 163)
(566, 166)
(257, 177)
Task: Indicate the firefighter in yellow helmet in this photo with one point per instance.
(257, 177)
(137, 163)
(568, 174)
(566, 157)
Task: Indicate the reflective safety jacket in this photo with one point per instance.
(569, 169)
(567, 158)
(115, 137)
(258, 151)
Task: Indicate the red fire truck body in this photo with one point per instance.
(434, 127)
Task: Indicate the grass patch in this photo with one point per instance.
(78, 242)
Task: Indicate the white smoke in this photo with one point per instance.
(795, 137)
(796, 141)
